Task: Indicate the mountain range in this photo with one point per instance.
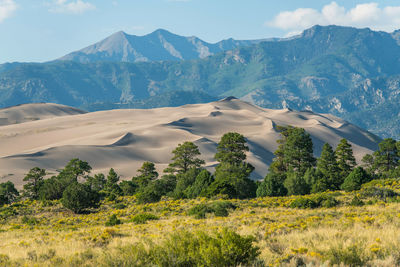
(349, 72)
(160, 45)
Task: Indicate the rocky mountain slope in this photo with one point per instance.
(159, 45)
(352, 73)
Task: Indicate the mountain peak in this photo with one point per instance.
(159, 45)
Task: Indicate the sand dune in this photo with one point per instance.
(33, 112)
(123, 139)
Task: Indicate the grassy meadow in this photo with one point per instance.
(350, 229)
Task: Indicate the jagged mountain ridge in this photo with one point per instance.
(159, 45)
(352, 73)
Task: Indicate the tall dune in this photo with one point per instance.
(124, 139)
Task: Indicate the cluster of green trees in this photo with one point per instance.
(294, 171)
(185, 177)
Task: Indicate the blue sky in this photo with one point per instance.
(42, 30)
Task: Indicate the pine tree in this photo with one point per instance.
(233, 172)
(112, 188)
(272, 186)
(328, 166)
(232, 149)
(96, 183)
(345, 158)
(298, 151)
(316, 180)
(355, 179)
(386, 158)
(296, 184)
(148, 169)
(34, 179)
(185, 158)
(8, 193)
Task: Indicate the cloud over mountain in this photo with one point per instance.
(370, 15)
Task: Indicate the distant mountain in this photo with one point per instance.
(352, 73)
(159, 45)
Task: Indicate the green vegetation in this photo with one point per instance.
(195, 218)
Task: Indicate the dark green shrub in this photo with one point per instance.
(225, 248)
(272, 186)
(31, 221)
(303, 203)
(200, 185)
(349, 256)
(200, 211)
(378, 192)
(119, 206)
(51, 189)
(113, 220)
(8, 193)
(79, 197)
(329, 202)
(219, 208)
(314, 201)
(143, 218)
(355, 179)
(356, 201)
(296, 184)
(128, 188)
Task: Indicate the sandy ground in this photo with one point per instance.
(124, 139)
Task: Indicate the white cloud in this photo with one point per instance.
(71, 7)
(7, 9)
(362, 15)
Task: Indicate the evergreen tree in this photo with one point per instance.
(148, 169)
(316, 180)
(34, 179)
(355, 179)
(74, 171)
(386, 158)
(78, 197)
(278, 164)
(51, 189)
(296, 184)
(183, 181)
(232, 171)
(345, 158)
(112, 188)
(328, 166)
(128, 188)
(237, 176)
(369, 164)
(298, 151)
(232, 149)
(147, 173)
(272, 186)
(199, 188)
(185, 158)
(8, 193)
(96, 183)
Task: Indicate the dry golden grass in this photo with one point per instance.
(366, 235)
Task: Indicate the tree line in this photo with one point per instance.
(294, 171)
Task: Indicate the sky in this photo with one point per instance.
(43, 30)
